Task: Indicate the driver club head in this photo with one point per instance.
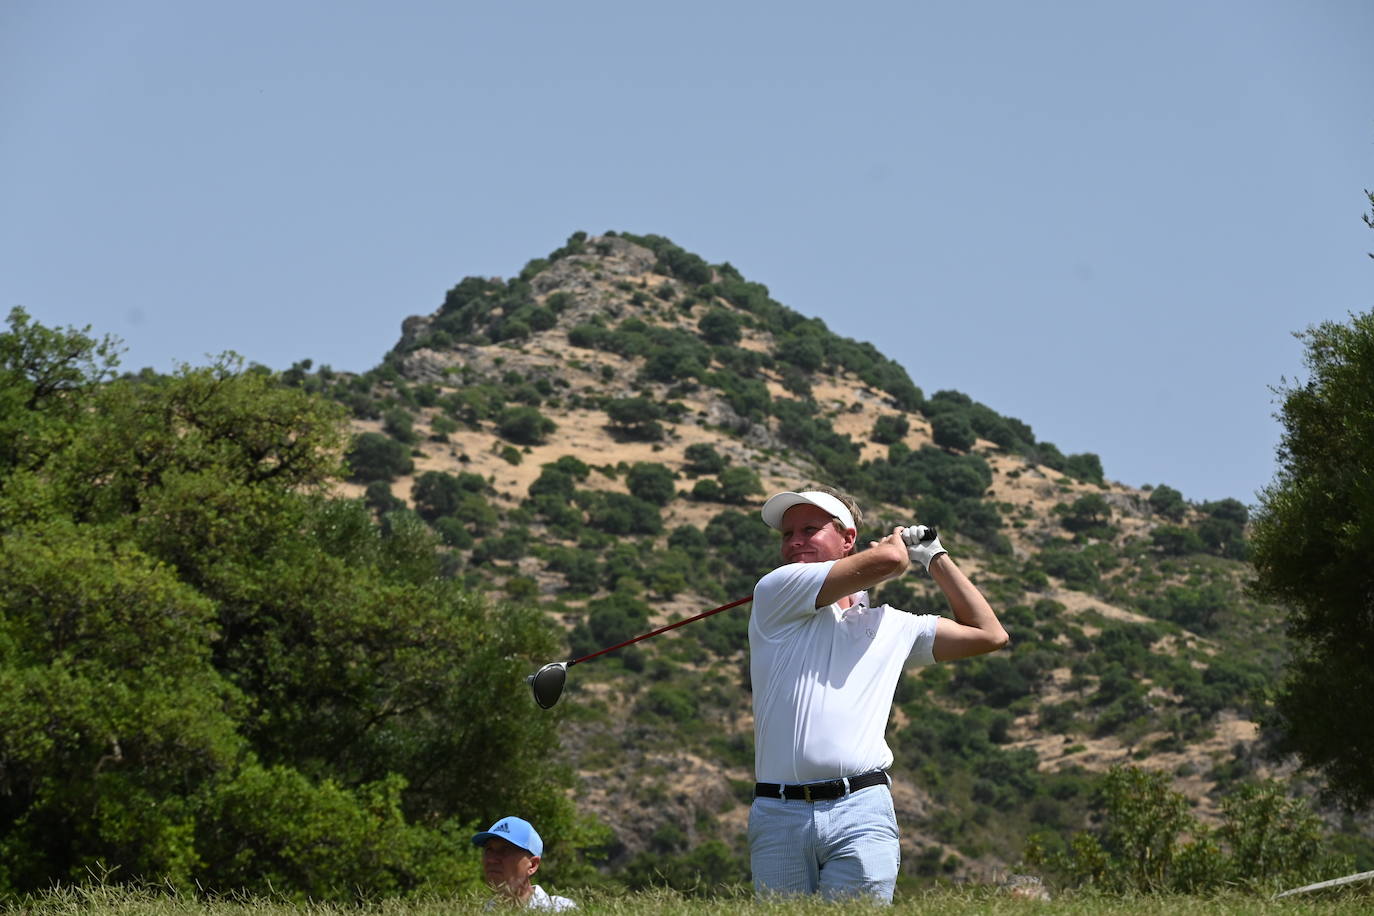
(547, 683)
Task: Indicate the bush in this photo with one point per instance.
(1073, 567)
(400, 425)
(374, 456)
(952, 431)
(1089, 515)
(524, 425)
(707, 490)
(1086, 467)
(637, 416)
(379, 498)
(737, 484)
(1174, 541)
(436, 494)
(719, 327)
(1149, 842)
(618, 513)
(1168, 502)
(803, 352)
(889, 429)
(616, 618)
(702, 458)
(651, 482)
(453, 532)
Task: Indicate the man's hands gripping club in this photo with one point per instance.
(922, 545)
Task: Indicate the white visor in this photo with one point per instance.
(779, 503)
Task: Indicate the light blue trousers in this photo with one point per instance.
(839, 849)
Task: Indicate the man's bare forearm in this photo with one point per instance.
(968, 604)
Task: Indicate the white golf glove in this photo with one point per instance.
(922, 545)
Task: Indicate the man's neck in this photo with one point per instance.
(520, 895)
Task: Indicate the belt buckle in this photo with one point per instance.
(806, 791)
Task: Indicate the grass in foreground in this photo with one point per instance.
(116, 901)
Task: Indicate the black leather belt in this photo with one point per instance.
(821, 791)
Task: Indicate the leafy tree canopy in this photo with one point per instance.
(1312, 543)
(213, 674)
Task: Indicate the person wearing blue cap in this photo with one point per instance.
(824, 664)
(511, 853)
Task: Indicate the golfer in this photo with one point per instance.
(824, 663)
(511, 853)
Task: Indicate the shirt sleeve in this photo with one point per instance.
(923, 647)
(788, 594)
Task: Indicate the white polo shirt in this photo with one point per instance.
(539, 900)
(824, 678)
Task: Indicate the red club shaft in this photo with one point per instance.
(672, 626)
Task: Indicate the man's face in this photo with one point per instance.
(809, 536)
(505, 865)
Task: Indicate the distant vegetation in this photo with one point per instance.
(352, 669)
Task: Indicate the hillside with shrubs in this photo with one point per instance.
(594, 436)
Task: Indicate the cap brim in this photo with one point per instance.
(777, 507)
(778, 504)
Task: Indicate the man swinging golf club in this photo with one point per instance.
(824, 664)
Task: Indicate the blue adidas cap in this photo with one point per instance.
(515, 830)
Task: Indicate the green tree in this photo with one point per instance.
(374, 456)
(890, 428)
(524, 425)
(1223, 529)
(738, 484)
(637, 416)
(436, 494)
(651, 482)
(1086, 467)
(1090, 514)
(1175, 541)
(702, 458)
(400, 425)
(208, 666)
(1146, 840)
(953, 431)
(1312, 541)
(1168, 502)
(719, 327)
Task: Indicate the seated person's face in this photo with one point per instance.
(506, 865)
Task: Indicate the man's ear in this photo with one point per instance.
(851, 538)
(534, 864)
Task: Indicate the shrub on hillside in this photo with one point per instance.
(374, 456)
(952, 431)
(400, 425)
(738, 484)
(719, 327)
(1168, 502)
(702, 458)
(619, 513)
(1086, 467)
(651, 482)
(707, 490)
(1147, 840)
(524, 425)
(637, 417)
(379, 498)
(890, 428)
(1089, 515)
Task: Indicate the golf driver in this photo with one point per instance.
(547, 683)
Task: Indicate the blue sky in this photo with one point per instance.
(1104, 219)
